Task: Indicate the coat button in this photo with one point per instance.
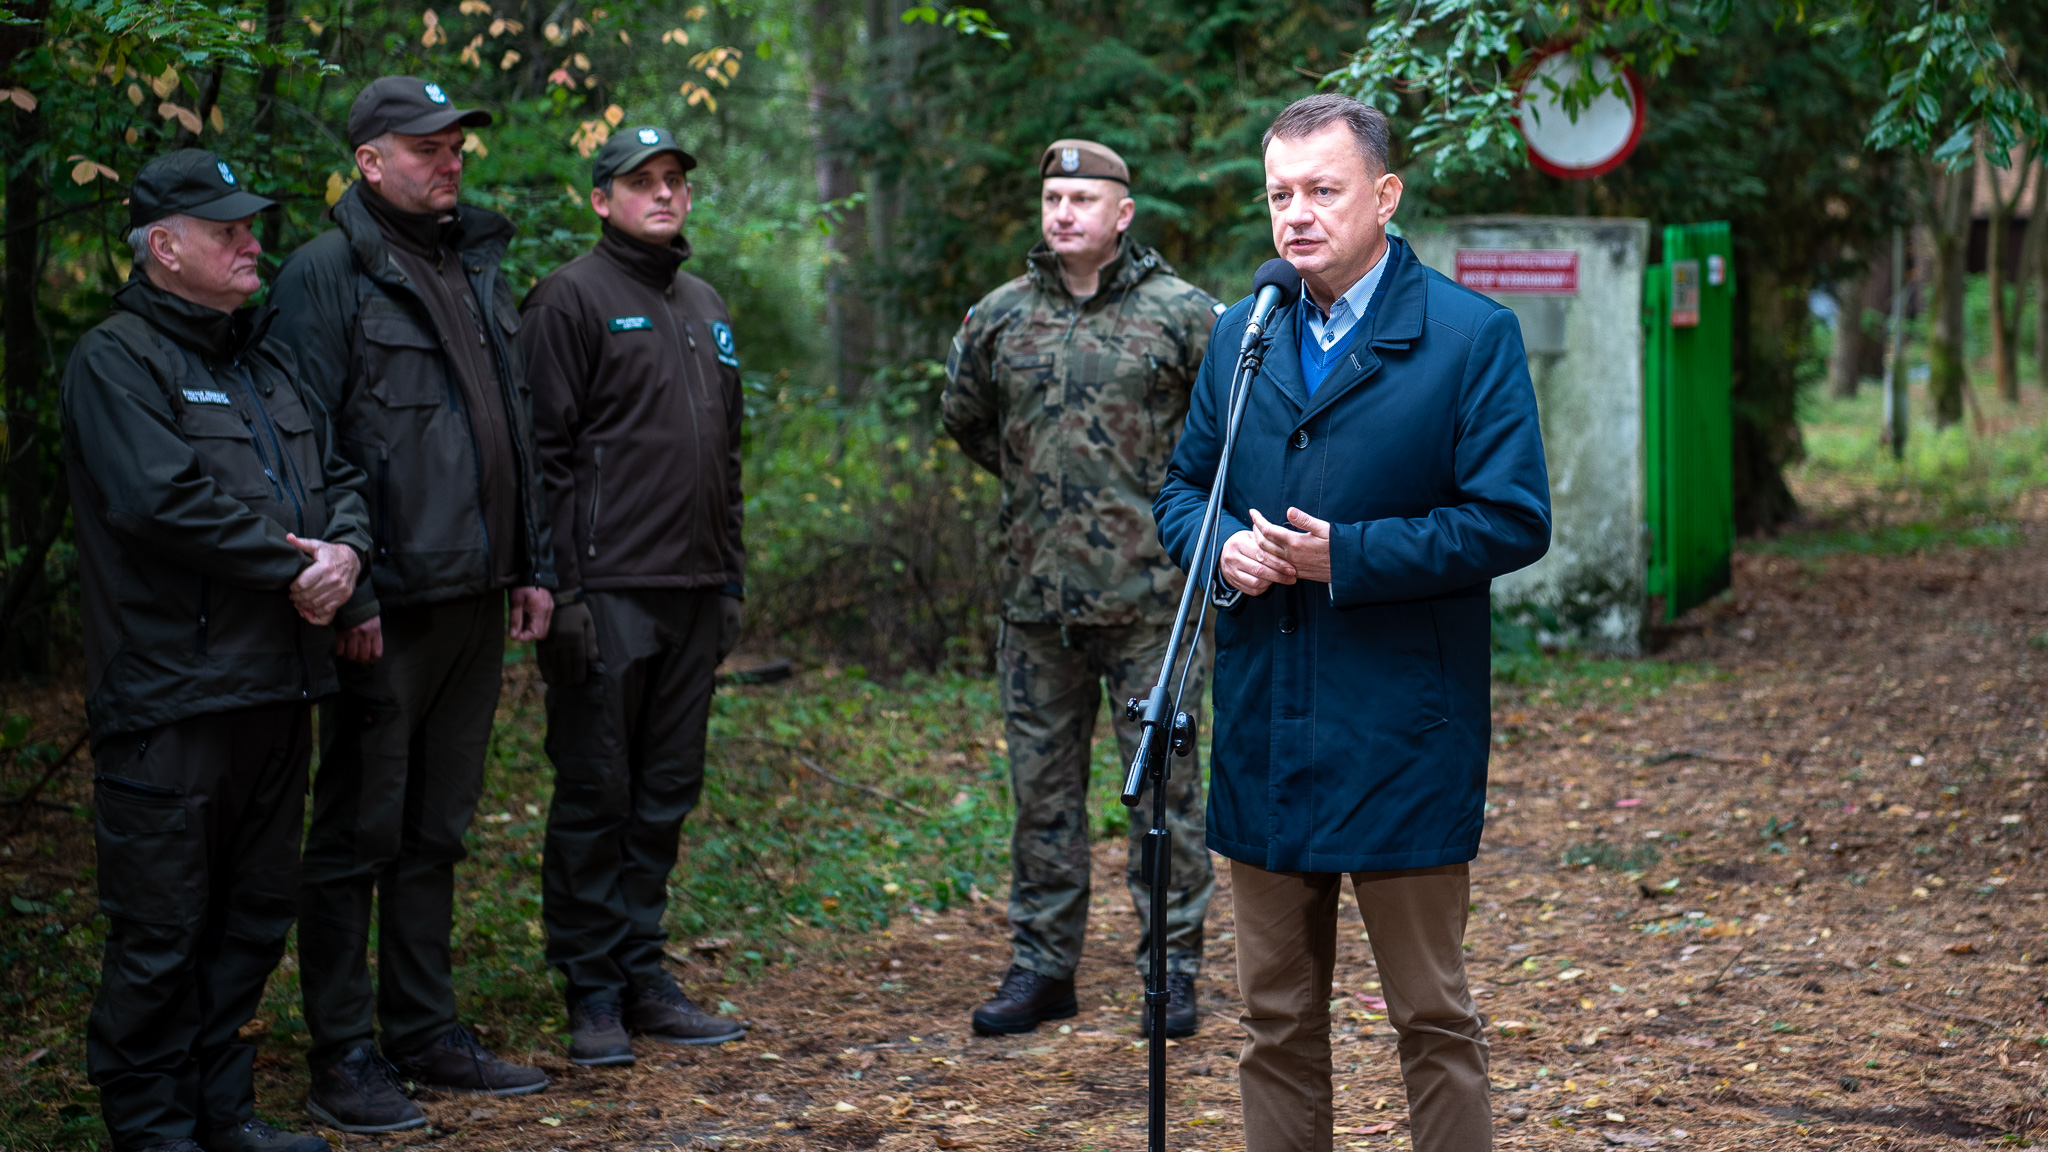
(1301, 438)
(1287, 625)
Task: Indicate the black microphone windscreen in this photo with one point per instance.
(1278, 273)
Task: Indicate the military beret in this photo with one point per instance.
(408, 106)
(190, 182)
(1084, 158)
(629, 148)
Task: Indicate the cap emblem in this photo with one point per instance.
(649, 136)
(435, 94)
(226, 173)
(1070, 159)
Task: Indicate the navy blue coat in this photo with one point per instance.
(1353, 718)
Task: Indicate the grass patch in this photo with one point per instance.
(1889, 539)
(1571, 680)
(1607, 857)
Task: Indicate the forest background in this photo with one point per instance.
(867, 172)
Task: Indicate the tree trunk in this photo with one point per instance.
(2004, 316)
(25, 648)
(849, 319)
(1948, 374)
(1770, 332)
(2034, 270)
(1859, 329)
(264, 124)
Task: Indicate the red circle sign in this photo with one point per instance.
(1603, 134)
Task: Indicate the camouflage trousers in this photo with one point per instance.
(1052, 689)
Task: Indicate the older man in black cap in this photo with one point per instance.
(636, 385)
(408, 332)
(218, 532)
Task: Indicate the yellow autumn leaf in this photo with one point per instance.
(135, 94)
(21, 98)
(498, 27)
(186, 117)
(471, 142)
(430, 18)
(473, 7)
(581, 62)
(695, 12)
(510, 58)
(613, 114)
(675, 36)
(553, 32)
(625, 37)
(165, 84)
(578, 28)
(219, 122)
(335, 187)
(131, 135)
(84, 172)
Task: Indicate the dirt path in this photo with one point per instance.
(1851, 955)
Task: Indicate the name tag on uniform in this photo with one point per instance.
(206, 396)
(631, 323)
(1031, 360)
(721, 335)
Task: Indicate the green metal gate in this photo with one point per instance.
(1688, 371)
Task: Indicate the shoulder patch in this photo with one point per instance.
(206, 396)
(1219, 308)
(721, 335)
(630, 323)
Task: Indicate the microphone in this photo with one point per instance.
(1277, 285)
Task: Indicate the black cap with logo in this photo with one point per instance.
(408, 106)
(629, 148)
(190, 182)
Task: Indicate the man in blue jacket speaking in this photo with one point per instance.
(1389, 466)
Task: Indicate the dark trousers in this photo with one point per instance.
(401, 767)
(197, 828)
(1286, 956)
(628, 749)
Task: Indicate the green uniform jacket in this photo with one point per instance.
(191, 451)
(637, 408)
(1076, 407)
(368, 349)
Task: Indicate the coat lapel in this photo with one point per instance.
(1281, 369)
(1394, 319)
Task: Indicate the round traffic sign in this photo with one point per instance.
(1604, 132)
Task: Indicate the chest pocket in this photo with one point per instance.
(1023, 374)
(226, 447)
(402, 359)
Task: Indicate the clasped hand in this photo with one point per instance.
(1267, 554)
(321, 590)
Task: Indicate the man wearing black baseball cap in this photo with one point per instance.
(218, 533)
(408, 331)
(636, 396)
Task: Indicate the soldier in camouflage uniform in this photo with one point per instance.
(1070, 383)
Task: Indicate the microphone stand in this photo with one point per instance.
(1150, 765)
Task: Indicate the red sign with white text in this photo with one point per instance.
(1519, 272)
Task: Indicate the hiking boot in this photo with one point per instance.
(1183, 1014)
(661, 1012)
(256, 1136)
(1025, 1000)
(359, 1094)
(596, 1034)
(457, 1063)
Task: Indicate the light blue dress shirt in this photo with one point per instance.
(1328, 331)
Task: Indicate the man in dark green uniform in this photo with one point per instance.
(218, 532)
(408, 333)
(636, 386)
(1070, 383)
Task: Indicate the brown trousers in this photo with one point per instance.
(1286, 950)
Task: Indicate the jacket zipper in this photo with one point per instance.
(205, 603)
(596, 490)
(383, 503)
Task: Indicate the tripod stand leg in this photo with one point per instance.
(1157, 866)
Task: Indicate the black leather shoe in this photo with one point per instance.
(597, 1035)
(1025, 1000)
(359, 1093)
(457, 1063)
(1183, 1014)
(661, 1012)
(256, 1136)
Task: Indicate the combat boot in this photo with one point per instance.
(455, 1062)
(597, 1036)
(256, 1136)
(1025, 1000)
(661, 1012)
(359, 1093)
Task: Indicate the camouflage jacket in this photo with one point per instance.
(1076, 407)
